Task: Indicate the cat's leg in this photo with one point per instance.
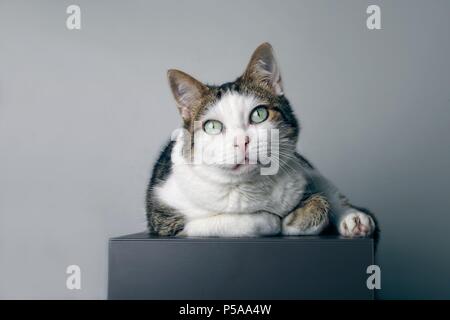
(310, 219)
(233, 225)
(352, 222)
(163, 220)
(346, 218)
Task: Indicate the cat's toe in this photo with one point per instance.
(356, 224)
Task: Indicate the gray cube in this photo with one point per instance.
(146, 267)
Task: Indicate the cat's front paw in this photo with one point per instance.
(356, 224)
(310, 219)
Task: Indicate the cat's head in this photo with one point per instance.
(232, 127)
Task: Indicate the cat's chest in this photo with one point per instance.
(194, 196)
(277, 197)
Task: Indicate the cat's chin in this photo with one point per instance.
(242, 169)
(225, 173)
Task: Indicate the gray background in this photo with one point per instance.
(84, 113)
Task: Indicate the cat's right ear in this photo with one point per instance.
(187, 91)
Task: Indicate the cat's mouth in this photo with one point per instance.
(236, 167)
(240, 165)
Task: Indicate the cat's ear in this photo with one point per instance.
(187, 91)
(263, 69)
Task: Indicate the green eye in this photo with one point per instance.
(259, 114)
(213, 127)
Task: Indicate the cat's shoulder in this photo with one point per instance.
(163, 165)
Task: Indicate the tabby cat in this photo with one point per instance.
(232, 170)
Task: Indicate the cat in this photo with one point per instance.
(225, 194)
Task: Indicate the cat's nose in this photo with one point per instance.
(241, 141)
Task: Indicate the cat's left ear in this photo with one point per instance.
(263, 69)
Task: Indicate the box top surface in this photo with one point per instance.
(145, 236)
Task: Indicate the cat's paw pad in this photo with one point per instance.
(356, 224)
